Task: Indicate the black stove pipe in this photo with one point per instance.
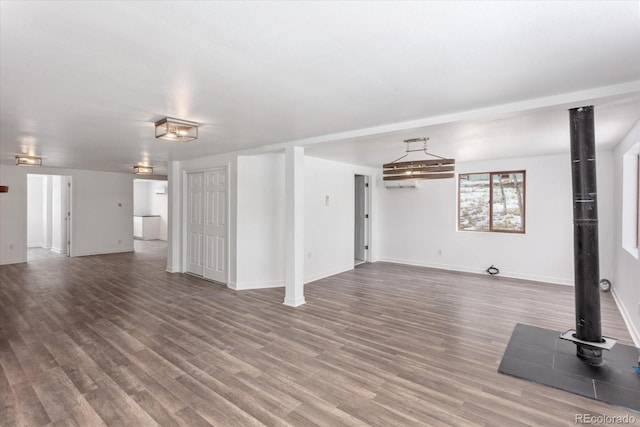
(585, 234)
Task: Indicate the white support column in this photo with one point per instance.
(174, 209)
(294, 243)
(48, 225)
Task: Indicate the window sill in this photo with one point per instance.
(516, 233)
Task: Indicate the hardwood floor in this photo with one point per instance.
(37, 254)
(115, 340)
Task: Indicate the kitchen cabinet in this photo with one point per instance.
(146, 227)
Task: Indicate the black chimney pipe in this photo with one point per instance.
(585, 234)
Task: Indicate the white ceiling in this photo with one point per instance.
(81, 83)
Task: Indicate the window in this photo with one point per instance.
(492, 201)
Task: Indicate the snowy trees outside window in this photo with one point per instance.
(492, 201)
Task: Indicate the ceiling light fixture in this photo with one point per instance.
(143, 170)
(176, 130)
(419, 169)
(28, 161)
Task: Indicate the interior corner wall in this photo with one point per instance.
(329, 224)
(102, 210)
(260, 221)
(175, 207)
(626, 275)
(48, 211)
(419, 226)
(257, 217)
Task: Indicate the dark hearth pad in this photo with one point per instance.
(539, 355)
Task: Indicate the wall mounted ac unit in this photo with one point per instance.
(403, 183)
(161, 190)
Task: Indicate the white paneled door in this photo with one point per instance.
(195, 223)
(215, 225)
(207, 224)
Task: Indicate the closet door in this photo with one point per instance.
(195, 223)
(215, 225)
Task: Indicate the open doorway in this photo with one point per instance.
(361, 217)
(48, 216)
(150, 215)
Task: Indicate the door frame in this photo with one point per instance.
(367, 209)
(69, 214)
(66, 181)
(184, 242)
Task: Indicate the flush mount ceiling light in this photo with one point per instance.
(143, 170)
(176, 130)
(419, 169)
(28, 161)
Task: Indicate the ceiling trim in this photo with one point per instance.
(561, 101)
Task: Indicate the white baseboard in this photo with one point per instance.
(465, 269)
(635, 335)
(245, 286)
(103, 252)
(242, 286)
(294, 302)
(58, 251)
(171, 269)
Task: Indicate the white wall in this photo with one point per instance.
(48, 211)
(257, 200)
(418, 226)
(260, 221)
(102, 213)
(102, 209)
(626, 276)
(329, 230)
(175, 208)
(36, 211)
